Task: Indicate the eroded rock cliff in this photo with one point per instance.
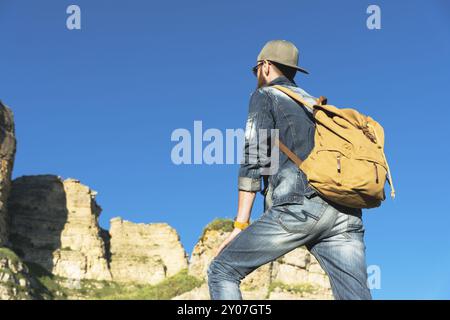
(16, 282)
(145, 253)
(54, 223)
(7, 153)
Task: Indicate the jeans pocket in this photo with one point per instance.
(301, 218)
(355, 222)
(355, 226)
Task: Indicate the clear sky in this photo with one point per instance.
(100, 104)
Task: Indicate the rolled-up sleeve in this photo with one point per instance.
(260, 117)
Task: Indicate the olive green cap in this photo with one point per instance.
(282, 52)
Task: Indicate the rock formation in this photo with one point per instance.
(300, 268)
(145, 253)
(54, 223)
(7, 153)
(16, 283)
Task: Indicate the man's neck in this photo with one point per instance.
(281, 80)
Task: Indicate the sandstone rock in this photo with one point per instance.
(199, 293)
(285, 295)
(319, 280)
(204, 251)
(299, 258)
(314, 266)
(16, 283)
(145, 253)
(290, 274)
(7, 153)
(54, 223)
(258, 280)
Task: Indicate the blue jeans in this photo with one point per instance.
(332, 233)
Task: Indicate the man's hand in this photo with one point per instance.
(245, 204)
(233, 234)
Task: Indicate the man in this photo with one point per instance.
(295, 214)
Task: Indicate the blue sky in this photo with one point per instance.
(99, 104)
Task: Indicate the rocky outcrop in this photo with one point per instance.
(54, 223)
(145, 253)
(297, 271)
(296, 275)
(7, 153)
(16, 283)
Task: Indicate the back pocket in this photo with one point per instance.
(301, 218)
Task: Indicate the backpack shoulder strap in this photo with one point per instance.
(320, 101)
(294, 96)
(292, 156)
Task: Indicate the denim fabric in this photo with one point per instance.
(271, 109)
(332, 233)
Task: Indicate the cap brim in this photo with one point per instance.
(298, 68)
(302, 70)
(292, 66)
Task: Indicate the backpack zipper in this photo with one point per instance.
(376, 172)
(339, 163)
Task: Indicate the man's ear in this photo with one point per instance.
(266, 67)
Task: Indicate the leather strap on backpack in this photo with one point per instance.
(322, 100)
(294, 96)
(289, 153)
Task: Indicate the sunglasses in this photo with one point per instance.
(255, 68)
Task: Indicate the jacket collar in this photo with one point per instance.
(282, 80)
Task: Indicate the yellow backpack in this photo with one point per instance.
(347, 164)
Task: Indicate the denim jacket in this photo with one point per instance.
(272, 109)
